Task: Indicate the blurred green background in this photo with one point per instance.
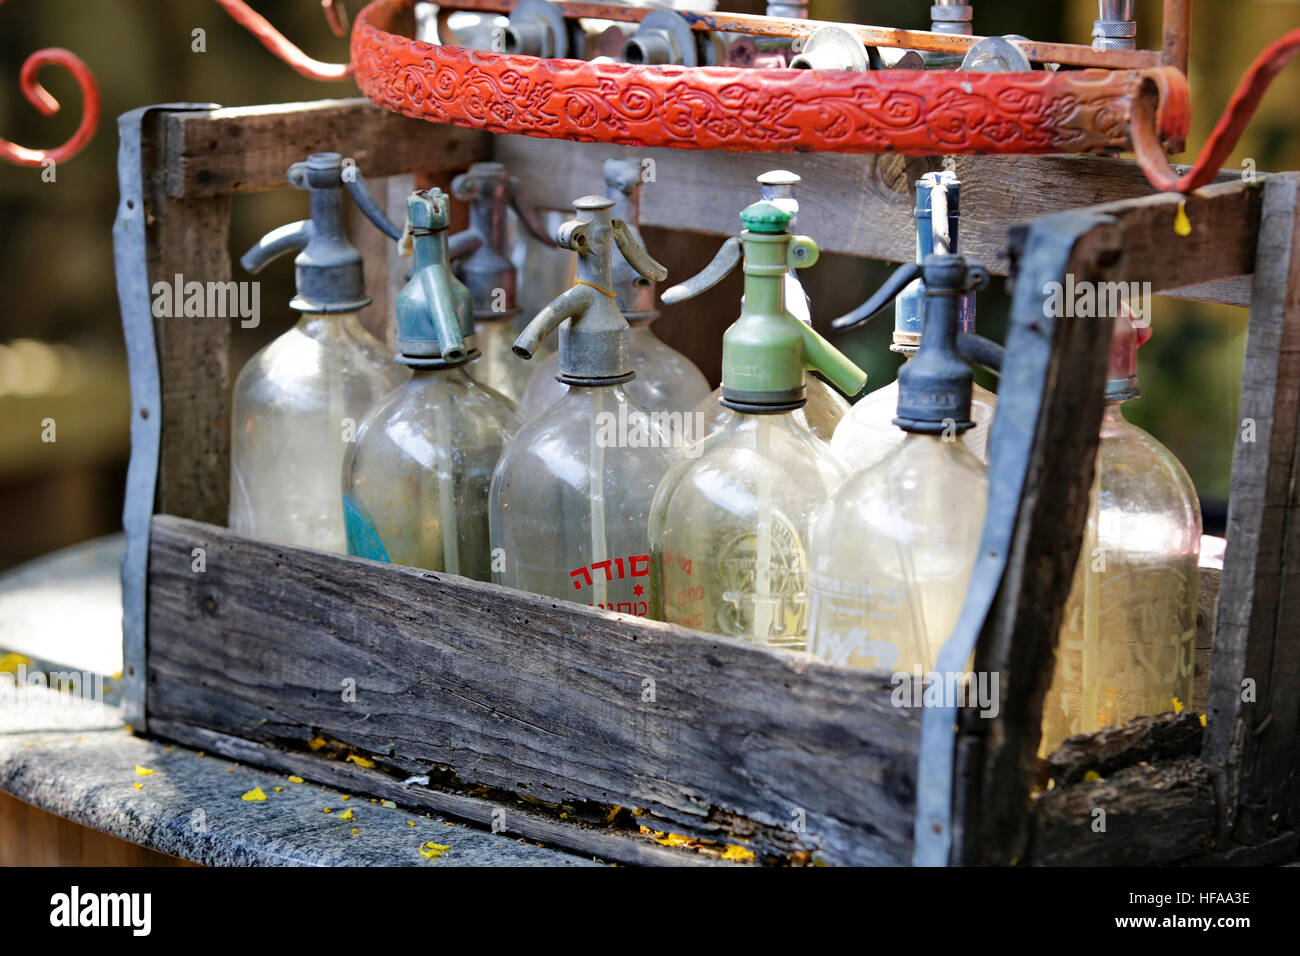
(61, 353)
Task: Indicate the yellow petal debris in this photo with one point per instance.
(142, 771)
(9, 663)
(1202, 720)
(346, 797)
(1182, 225)
(277, 789)
(328, 810)
(613, 812)
(295, 779)
(1091, 776)
(138, 785)
(360, 761)
(256, 795)
(431, 850)
(674, 839)
(410, 823)
(316, 743)
(1178, 706)
(355, 831)
(738, 853)
(346, 814)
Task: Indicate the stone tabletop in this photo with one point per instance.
(72, 755)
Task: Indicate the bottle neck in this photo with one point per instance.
(765, 272)
(431, 249)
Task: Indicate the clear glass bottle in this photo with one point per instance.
(867, 432)
(892, 554)
(729, 530)
(825, 407)
(415, 482)
(1127, 643)
(729, 523)
(570, 498)
(666, 380)
(490, 275)
(298, 401)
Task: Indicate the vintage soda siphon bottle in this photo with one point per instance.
(867, 433)
(892, 552)
(297, 401)
(571, 495)
(825, 407)
(415, 482)
(1127, 644)
(729, 524)
(491, 277)
(666, 380)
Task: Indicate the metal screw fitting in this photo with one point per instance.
(1115, 28)
(949, 17)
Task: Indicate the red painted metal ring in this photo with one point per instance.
(904, 111)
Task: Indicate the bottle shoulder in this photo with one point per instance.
(1136, 471)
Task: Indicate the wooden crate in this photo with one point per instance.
(558, 722)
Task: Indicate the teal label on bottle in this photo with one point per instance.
(363, 540)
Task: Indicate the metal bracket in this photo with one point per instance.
(1029, 347)
(135, 299)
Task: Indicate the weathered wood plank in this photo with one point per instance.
(1142, 816)
(1252, 742)
(862, 205)
(1221, 221)
(543, 698)
(249, 147)
(1111, 749)
(189, 238)
(1062, 410)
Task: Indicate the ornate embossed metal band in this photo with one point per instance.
(905, 111)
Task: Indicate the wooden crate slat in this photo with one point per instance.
(248, 148)
(1151, 814)
(1253, 744)
(1019, 635)
(530, 695)
(704, 192)
(189, 237)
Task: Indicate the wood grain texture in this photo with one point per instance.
(1112, 749)
(1253, 743)
(251, 147)
(862, 205)
(1018, 638)
(189, 237)
(1151, 814)
(30, 836)
(533, 696)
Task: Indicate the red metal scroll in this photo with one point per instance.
(1226, 132)
(914, 112)
(275, 41)
(40, 97)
